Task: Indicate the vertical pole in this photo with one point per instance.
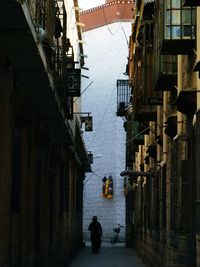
(64, 42)
(158, 130)
(198, 55)
(180, 87)
(164, 160)
(165, 98)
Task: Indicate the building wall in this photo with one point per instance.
(166, 208)
(5, 166)
(107, 52)
(41, 177)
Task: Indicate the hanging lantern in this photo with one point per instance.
(88, 124)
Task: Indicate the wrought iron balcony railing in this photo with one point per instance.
(123, 96)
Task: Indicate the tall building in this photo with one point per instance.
(42, 154)
(163, 133)
(106, 34)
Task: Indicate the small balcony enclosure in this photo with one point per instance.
(165, 72)
(145, 99)
(123, 97)
(137, 136)
(164, 66)
(179, 27)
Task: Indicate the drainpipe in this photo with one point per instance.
(140, 156)
(180, 87)
(146, 142)
(158, 150)
(165, 138)
(180, 117)
(158, 130)
(163, 163)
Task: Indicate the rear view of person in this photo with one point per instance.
(96, 234)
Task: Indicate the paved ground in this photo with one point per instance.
(110, 256)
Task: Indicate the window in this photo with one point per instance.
(179, 21)
(175, 3)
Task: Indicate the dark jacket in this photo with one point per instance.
(96, 229)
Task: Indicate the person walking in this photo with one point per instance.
(96, 234)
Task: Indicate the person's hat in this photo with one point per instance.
(94, 218)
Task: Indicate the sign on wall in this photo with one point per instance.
(88, 124)
(73, 82)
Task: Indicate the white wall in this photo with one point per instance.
(107, 51)
(85, 4)
(72, 28)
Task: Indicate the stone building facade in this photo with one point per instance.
(163, 183)
(42, 155)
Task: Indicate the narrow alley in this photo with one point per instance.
(100, 133)
(109, 256)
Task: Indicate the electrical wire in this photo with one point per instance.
(125, 36)
(99, 126)
(83, 91)
(94, 174)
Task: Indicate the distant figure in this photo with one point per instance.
(96, 234)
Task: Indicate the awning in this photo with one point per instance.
(186, 102)
(165, 82)
(134, 174)
(151, 150)
(171, 128)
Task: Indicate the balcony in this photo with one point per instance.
(164, 66)
(145, 99)
(165, 72)
(178, 29)
(123, 97)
